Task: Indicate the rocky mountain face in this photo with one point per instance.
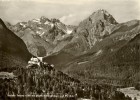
(13, 51)
(42, 35)
(97, 26)
(112, 54)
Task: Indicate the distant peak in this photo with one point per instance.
(43, 19)
(103, 11)
(102, 14)
(54, 20)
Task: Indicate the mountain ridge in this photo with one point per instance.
(13, 51)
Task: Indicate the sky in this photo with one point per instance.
(70, 12)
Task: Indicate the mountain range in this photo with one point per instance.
(43, 36)
(98, 50)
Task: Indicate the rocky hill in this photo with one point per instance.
(13, 51)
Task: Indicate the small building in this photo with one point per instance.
(36, 62)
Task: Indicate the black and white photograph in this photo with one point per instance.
(69, 49)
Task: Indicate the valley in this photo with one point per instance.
(91, 60)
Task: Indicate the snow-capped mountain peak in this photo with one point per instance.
(36, 20)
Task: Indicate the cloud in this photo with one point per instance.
(74, 18)
(69, 19)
